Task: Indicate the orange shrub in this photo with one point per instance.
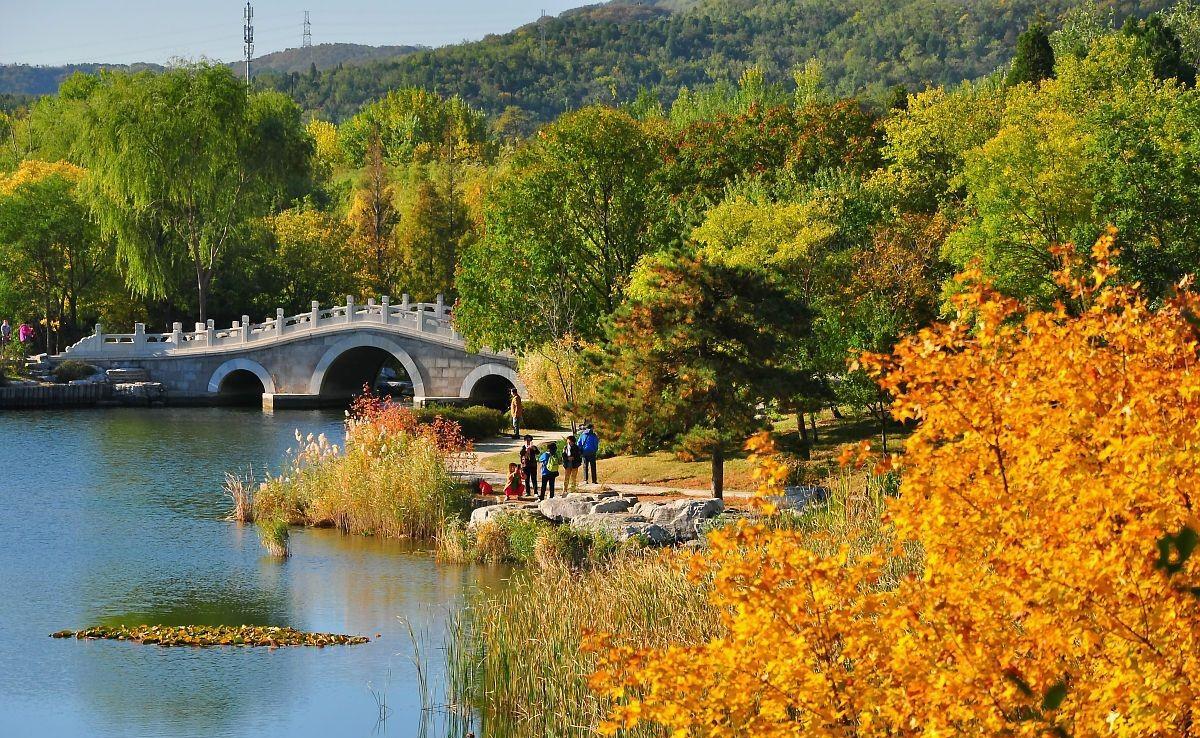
(1052, 483)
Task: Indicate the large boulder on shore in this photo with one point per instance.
(613, 505)
(490, 512)
(623, 526)
(681, 517)
(563, 509)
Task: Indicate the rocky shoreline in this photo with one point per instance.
(621, 516)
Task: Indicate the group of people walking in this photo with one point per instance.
(24, 333)
(579, 451)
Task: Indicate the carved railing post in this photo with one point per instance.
(316, 314)
(278, 321)
(349, 308)
(210, 332)
(385, 308)
(139, 337)
(370, 309)
(177, 334)
(404, 301)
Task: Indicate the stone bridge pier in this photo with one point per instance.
(319, 358)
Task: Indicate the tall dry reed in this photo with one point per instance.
(398, 488)
(240, 490)
(516, 657)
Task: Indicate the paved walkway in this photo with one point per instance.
(510, 445)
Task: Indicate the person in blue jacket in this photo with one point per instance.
(550, 462)
(589, 444)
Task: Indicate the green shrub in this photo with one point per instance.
(537, 417)
(274, 534)
(529, 540)
(522, 532)
(477, 422)
(71, 370)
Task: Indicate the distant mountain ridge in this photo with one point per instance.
(325, 56)
(27, 79)
(607, 52)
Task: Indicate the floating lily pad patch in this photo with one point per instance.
(212, 635)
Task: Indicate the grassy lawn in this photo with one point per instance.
(663, 469)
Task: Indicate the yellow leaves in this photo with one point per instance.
(32, 170)
(325, 140)
(1055, 452)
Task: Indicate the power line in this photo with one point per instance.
(248, 37)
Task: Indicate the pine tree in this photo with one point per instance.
(1034, 60)
(1158, 43)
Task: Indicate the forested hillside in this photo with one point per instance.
(606, 53)
(25, 79)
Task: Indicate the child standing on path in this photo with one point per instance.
(572, 460)
(549, 461)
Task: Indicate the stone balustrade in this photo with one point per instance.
(426, 318)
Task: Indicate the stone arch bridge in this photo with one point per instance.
(321, 357)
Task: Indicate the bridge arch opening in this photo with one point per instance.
(365, 366)
(241, 387)
(489, 384)
(365, 359)
(240, 382)
(492, 391)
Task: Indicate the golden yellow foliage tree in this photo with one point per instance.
(33, 170)
(1052, 483)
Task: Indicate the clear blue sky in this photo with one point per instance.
(121, 31)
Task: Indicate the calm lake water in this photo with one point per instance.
(116, 516)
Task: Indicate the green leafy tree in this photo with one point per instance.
(926, 143)
(436, 227)
(1079, 28)
(54, 259)
(692, 353)
(1106, 143)
(1183, 18)
(1034, 59)
(178, 163)
(310, 259)
(564, 226)
(1157, 42)
(412, 123)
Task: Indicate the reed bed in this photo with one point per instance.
(397, 488)
(517, 659)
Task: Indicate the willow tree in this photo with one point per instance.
(179, 162)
